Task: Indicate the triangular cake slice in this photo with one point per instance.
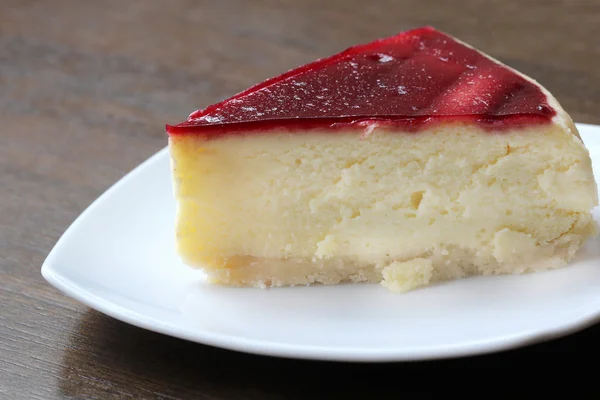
(409, 160)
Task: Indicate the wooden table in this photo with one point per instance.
(85, 91)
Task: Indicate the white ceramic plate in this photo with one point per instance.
(118, 257)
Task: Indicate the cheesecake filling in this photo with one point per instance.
(404, 209)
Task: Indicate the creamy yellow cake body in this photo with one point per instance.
(404, 209)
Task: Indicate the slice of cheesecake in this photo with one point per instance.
(406, 161)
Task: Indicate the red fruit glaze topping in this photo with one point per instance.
(416, 77)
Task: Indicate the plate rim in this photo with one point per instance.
(274, 349)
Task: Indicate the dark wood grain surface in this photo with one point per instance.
(86, 88)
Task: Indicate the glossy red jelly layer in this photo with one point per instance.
(412, 79)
